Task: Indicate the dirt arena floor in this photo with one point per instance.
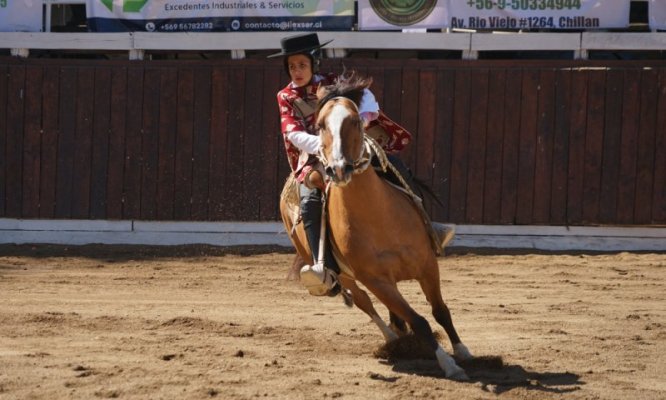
(202, 322)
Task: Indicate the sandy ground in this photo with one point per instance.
(199, 322)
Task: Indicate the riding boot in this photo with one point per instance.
(319, 279)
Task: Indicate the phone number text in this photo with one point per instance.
(525, 4)
(187, 26)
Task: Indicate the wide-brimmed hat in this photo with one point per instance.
(301, 43)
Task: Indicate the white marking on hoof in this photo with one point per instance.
(388, 333)
(461, 352)
(449, 366)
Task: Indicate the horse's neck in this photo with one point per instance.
(366, 193)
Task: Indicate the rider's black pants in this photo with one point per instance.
(311, 207)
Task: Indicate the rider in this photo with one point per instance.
(297, 101)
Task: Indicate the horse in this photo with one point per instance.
(378, 235)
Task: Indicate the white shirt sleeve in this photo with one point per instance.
(304, 141)
(369, 108)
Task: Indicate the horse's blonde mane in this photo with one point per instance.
(349, 84)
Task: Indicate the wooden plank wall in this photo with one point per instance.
(521, 142)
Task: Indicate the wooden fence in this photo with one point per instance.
(501, 142)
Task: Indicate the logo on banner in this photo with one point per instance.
(403, 12)
(128, 5)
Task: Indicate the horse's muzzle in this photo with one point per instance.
(340, 174)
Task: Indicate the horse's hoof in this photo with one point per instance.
(459, 376)
(449, 366)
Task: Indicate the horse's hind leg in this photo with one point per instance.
(362, 301)
(388, 294)
(442, 314)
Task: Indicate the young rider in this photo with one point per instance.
(297, 101)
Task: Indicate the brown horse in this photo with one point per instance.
(377, 233)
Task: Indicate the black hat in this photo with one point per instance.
(297, 44)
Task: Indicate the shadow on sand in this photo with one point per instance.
(122, 253)
(408, 355)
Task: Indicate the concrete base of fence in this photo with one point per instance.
(550, 238)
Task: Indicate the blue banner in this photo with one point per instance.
(219, 15)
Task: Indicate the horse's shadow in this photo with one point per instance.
(490, 373)
(496, 379)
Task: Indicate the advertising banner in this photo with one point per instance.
(21, 15)
(402, 14)
(539, 14)
(219, 15)
(657, 14)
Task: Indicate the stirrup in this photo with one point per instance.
(320, 281)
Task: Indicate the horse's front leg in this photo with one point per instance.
(387, 292)
(441, 312)
(362, 301)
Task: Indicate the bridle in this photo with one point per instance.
(362, 161)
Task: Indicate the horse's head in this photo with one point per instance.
(341, 128)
